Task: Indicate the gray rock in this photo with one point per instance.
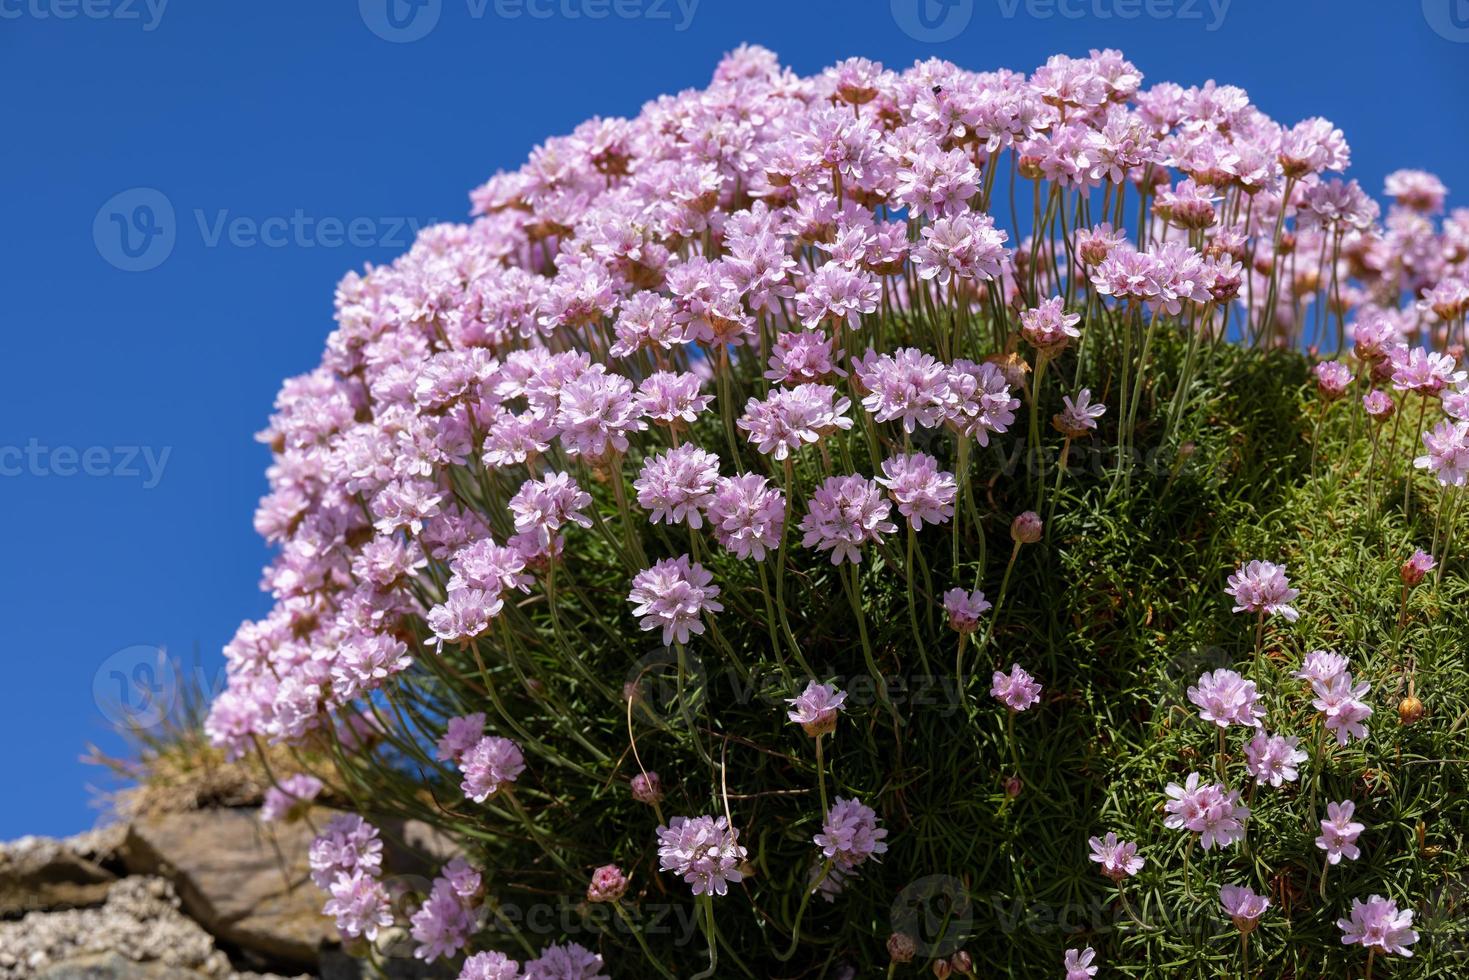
(38, 873)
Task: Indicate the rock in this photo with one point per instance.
(37, 873)
(137, 933)
(245, 882)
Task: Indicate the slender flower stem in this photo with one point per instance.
(643, 943)
(821, 776)
(801, 911)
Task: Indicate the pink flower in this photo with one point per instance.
(1048, 327)
(1448, 453)
(647, 787)
(1206, 809)
(672, 596)
(1332, 379)
(906, 385)
(443, 924)
(677, 485)
(460, 735)
(291, 799)
(347, 845)
(967, 246)
(489, 966)
(1017, 689)
(596, 413)
(569, 962)
(791, 418)
(1026, 528)
(1243, 906)
(1320, 667)
(667, 398)
(1078, 417)
(921, 490)
(1226, 698)
(359, 902)
(1379, 405)
(1118, 858)
(964, 609)
(1262, 587)
(608, 884)
(1418, 565)
(704, 851)
(815, 709)
(850, 834)
(1339, 833)
(1343, 706)
(1273, 758)
(1378, 924)
(1078, 964)
(800, 358)
(747, 515)
(492, 763)
(845, 513)
(542, 507)
(979, 401)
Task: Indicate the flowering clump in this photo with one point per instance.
(762, 372)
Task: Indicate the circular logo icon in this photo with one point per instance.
(1443, 917)
(135, 688)
(932, 21)
(1448, 18)
(665, 692)
(400, 21)
(135, 230)
(936, 913)
(1181, 672)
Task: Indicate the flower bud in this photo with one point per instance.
(608, 884)
(647, 787)
(941, 969)
(901, 947)
(1013, 786)
(1416, 567)
(1410, 710)
(961, 962)
(1026, 528)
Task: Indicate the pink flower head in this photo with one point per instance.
(360, 904)
(668, 399)
(347, 845)
(1262, 587)
(1378, 405)
(673, 595)
(1079, 416)
(1078, 964)
(1378, 924)
(1026, 528)
(1206, 809)
(1448, 453)
(608, 884)
(704, 851)
(490, 966)
(596, 413)
(492, 763)
(923, 492)
(980, 402)
(850, 834)
(1339, 833)
(647, 787)
(804, 357)
(791, 418)
(291, 799)
(1343, 706)
(1320, 667)
(845, 513)
(966, 246)
(1243, 906)
(1118, 858)
(1017, 689)
(443, 924)
(964, 609)
(572, 961)
(677, 485)
(815, 709)
(1048, 327)
(907, 386)
(460, 735)
(1273, 758)
(1332, 379)
(747, 515)
(1418, 565)
(1417, 369)
(1226, 698)
(543, 507)
(1417, 190)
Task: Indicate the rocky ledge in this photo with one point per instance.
(180, 896)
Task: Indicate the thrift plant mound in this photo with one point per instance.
(882, 522)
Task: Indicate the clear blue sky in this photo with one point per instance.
(298, 117)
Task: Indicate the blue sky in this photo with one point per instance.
(292, 140)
